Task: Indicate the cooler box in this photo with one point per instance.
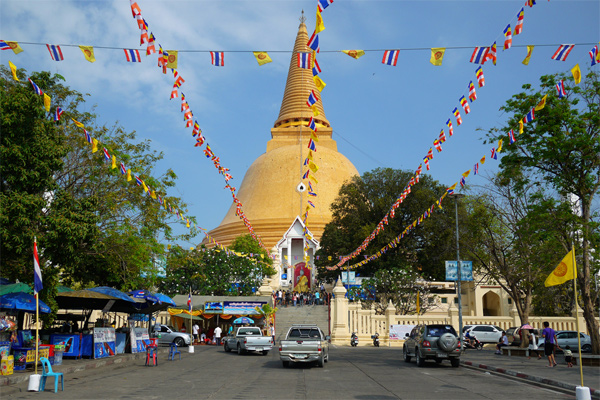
(7, 365)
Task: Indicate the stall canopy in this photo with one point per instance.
(21, 301)
(15, 288)
(152, 302)
(89, 299)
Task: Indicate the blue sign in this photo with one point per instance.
(466, 271)
(284, 277)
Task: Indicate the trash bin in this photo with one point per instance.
(58, 355)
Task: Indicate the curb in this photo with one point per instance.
(544, 381)
(21, 377)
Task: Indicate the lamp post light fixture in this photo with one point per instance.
(456, 197)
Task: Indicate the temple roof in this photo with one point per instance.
(294, 110)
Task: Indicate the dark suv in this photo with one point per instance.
(434, 342)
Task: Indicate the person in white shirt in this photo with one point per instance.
(195, 330)
(218, 336)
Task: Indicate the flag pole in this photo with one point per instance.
(37, 320)
(577, 313)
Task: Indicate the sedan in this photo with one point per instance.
(487, 333)
(569, 338)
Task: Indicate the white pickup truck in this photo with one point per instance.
(304, 343)
(246, 339)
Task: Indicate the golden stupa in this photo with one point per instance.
(268, 192)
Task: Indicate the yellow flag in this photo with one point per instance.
(529, 51)
(319, 24)
(499, 146)
(153, 195)
(79, 124)
(312, 178)
(114, 162)
(437, 55)
(14, 47)
(88, 53)
(128, 175)
(313, 167)
(541, 104)
(172, 60)
(144, 186)
(47, 101)
(329, 258)
(315, 111)
(319, 83)
(565, 271)
(310, 155)
(262, 57)
(520, 127)
(94, 145)
(466, 174)
(356, 54)
(285, 257)
(315, 137)
(576, 73)
(482, 160)
(13, 69)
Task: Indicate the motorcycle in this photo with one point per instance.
(473, 343)
(375, 338)
(354, 340)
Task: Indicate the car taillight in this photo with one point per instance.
(245, 341)
(459, 344)
(319, 349)
(280, 349)
(426, 343)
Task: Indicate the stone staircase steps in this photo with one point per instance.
(287, 316)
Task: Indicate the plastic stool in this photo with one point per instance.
(152, 354)
(173, 351)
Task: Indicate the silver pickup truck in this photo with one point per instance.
(304, 343)
(246, 339)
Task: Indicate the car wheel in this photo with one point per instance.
(179, 342)
(405, 354)
(320, 362)
(239, 349)
(286, 364)
(226, 348)
(455, 362)
(419, 359)
(586, 348)
(327, 358)
(265, 352)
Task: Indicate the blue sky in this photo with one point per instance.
(382, 116)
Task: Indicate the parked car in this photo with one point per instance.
(514, 336)
(569, 338)
(304, 343)
(246, 339)
(169, 335)
(435, 342)
(487, 333)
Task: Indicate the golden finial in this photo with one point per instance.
(302, 18)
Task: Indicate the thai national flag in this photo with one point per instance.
(37, 272)
(530, 116)
(476, 169)
(217, 58)
(511, 136)
(138, 181)
(311, 145)
(311, 124)
(323, 4)
(189, 302)
(560, 87)
(312, 98)
(562, 52)
(594, 55)
(494, 154)
(316, 69)
(479, 55)
(106, 155)
(304, 60)
(390, 57)
(132, 55)
(88, 137)
(123, 170)
(305, 176)
(4, 45)
(55, 52)
(58, 113)
(36, 88)
(313, 42)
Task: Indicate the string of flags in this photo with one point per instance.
(481, 56)
(167, 59)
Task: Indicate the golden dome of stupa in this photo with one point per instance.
(268, 191)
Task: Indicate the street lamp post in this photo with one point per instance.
(457, 196)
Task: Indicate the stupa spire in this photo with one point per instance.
(294, 111)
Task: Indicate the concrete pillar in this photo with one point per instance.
(265, 289)
(453, 314)
(578, 315)
(339, 331)
(390, 318)
(514, 314)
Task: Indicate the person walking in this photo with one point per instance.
(195, 329)
(549, 336)
(217, 333)
(533, 345)
(272, 332)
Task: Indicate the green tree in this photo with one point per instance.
(560, 151)
(364, 201)
(92, 226)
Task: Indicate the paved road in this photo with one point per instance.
(352, 373)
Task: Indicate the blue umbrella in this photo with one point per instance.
(163, 298)
(112, 292)
(243, 320)
(22, 302)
